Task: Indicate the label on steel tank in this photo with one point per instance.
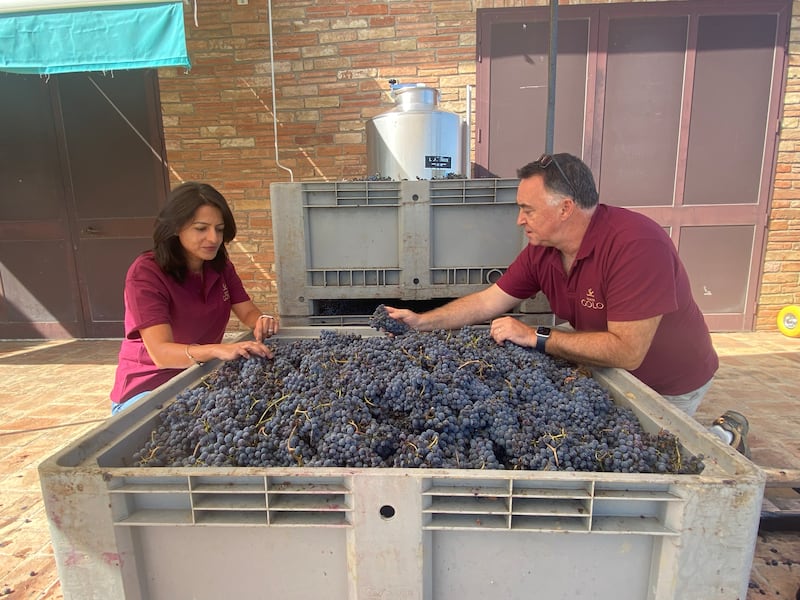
(438, 162)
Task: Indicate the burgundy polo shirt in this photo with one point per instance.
(626, 269)
(198, 310)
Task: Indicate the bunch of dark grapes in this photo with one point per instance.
(449, 176)
(381, 321)
(374, 177)
(442, 399)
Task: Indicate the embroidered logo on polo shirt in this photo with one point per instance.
(591, 302)
(226, 295)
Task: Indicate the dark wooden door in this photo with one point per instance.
(81, 182)
(675, 106)
(40, 297)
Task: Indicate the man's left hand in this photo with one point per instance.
(509, 329)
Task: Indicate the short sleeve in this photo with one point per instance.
(521, 279)
(147, 299)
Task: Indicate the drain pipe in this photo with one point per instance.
(274, 106)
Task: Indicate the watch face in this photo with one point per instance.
(545, 331)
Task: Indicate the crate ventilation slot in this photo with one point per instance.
(231, 501)
(355, 193)
(474, 191)
(466, 275)
(350, 278)
(546, 506)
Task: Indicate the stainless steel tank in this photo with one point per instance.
(415, 140)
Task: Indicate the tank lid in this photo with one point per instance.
(395, 85)
(418, 97)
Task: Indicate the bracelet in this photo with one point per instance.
(266, 317)
(189, 354)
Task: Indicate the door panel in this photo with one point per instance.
(642, 110)
(114, 146)
(115, 173)
(730, 107)
(517, 92)
(28, 152)
(104, 263)
(718, 258)
(37, 290)
(39, 295)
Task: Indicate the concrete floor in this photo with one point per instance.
(53, 392)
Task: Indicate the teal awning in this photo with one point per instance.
(93, 38)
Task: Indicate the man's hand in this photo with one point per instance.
(509, 329)
(404, 315)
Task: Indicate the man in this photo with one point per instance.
(613, 274)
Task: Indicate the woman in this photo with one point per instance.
(179, 297)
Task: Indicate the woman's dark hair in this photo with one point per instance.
(182, 204)
(564, 174)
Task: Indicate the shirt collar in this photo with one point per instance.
(594, 232)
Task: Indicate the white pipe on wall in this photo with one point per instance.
(274, 107)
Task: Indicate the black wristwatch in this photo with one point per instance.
(542, 335)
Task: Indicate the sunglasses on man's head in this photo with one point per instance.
(545, 160)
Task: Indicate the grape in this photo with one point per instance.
(441, 399)
(373, 177)
(381, 321)
(379, 177)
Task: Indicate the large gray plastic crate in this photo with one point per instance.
(122, 531)
(408, 240)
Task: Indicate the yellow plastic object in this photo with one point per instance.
(789, 321)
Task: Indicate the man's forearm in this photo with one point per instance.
(468, 310)
(599, 349)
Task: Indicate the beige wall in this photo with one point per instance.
(333, 60)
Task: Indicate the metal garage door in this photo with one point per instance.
(674, 105)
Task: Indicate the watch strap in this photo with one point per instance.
(541, 340)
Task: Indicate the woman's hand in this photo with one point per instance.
(168, 354)
(243, 349)
(249, 314)
(266, 326)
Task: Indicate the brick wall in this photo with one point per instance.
(333, 60)
(780, 282)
